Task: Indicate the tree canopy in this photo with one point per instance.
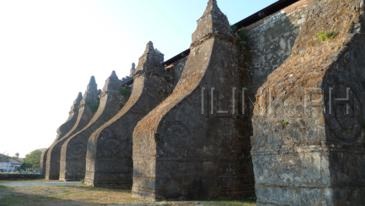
(32, 159)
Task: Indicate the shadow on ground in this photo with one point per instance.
(42, 193)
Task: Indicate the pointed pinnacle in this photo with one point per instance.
(91, 90)
(149, 47)
(211, 6)
(79, 96)
(92, 81)
(92, 87)
(212, 3)
(150, 58)
(112, 83)
(133, 70)
(213, 22)
(113, 75)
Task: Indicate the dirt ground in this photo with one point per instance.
(42, 193)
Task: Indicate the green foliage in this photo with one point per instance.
(326, 36)
(25, 167)
(32, 160)
(284, 123)
(125, 91)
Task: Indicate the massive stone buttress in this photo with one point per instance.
(194, 144)
(63, 129)
(73, 152)
(88, 107)
(109, 152)
(308, 143)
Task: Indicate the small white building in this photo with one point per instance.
(10, 165)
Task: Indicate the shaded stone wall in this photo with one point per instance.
(88, 107)
(184, 150)
(109, 152)
(73, 152)
(308, 140)
(176, 69)
(268, 42)
(344, 86)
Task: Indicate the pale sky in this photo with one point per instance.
(50, 48)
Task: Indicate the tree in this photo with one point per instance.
(31, 160)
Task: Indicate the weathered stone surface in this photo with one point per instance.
(43, 162)
(189, 147)
(109, 153)
(73, 152)
(133, 70)
(268, 42)
(309, 116)
(88, 107)
(71, 120)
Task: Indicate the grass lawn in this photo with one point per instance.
(40, 193)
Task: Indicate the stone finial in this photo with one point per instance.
(113, 76)
(112, 83)
(212, 23)
(91, 93)
(212, 5)
(133, 69)
(151, 56)
(149, 47)
(92, 83)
